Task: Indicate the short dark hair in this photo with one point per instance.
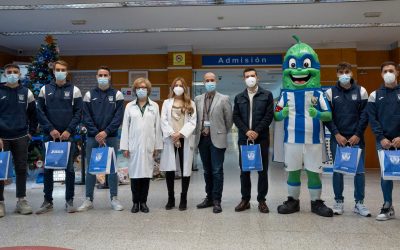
(249, 69)
(11, 65)
(387, 63)
(60, 62)
(343, 66)
(104, 68)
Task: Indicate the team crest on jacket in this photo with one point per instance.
(111, 98)
(354, 97)
(67, 94)
(21, 98)
(398, 96)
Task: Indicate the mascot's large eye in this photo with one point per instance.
(292, 63)
(307, 63)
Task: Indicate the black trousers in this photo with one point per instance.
(170, 175)
(19, 151)
(140, 189)
(245, 180)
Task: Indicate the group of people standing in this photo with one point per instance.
(179, 129)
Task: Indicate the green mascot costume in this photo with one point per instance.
(302, 108)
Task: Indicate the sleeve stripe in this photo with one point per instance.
(87, 97)
(31, 98)
(363, 94)
(119, 96)
(77, 92)
(372, 97)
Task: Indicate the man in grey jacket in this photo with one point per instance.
(214, 122)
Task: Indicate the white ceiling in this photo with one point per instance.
(200, 17)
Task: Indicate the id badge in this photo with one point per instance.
(207, 123)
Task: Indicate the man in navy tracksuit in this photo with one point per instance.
(59, 113)
(103, 111)
(350, 119)
(17, 123)
(384, 118)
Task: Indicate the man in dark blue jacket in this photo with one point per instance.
(252, 114)
(17, 123)
(350, 119)
(59, 113)
(103, 111)
(384, 118)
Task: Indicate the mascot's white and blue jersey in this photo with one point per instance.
(299, 126)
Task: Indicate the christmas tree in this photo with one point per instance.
(40, 72)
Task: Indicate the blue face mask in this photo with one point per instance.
(103, 81)
(210, 86)
(141, 93)
(12, 78)
(344, 79)
(60, 76)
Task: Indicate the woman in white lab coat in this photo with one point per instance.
(141, 136)
(178, 121)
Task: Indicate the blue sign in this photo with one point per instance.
(242, 60)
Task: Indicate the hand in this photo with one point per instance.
(55, 134)
(285, 111)
(341, 140)
(354, 140)
(252, 135)
(396, 142)
(313, 112)
(175, 136)
(126, 153)
(65, 136)
(101, 137)
(385, 143)
(1, 144)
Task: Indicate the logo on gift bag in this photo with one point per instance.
(394, 159)
(251, 155)
(1, 161)
(354, 97)
(55, 151)
(99, 156)
(346, 156)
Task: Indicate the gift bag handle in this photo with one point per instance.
(252, 142)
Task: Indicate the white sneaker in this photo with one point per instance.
(361, 209)
(2, 209)
(86, 205)
(116, 204)
(69, 207)
(338, 208)
(386, 214)
(23, 207)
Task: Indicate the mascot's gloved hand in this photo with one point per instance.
(314, 113)
(285, 111)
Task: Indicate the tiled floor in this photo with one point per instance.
(102, 228)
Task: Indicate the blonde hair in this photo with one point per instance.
(61, 62)
(187, 102)
(140, 80)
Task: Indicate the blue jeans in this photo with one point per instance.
(359, 178)
(90, 178)
(48, 179)
(213, 164)
(386, 185)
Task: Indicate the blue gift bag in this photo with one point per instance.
(347, 160)
(6, 165)
(251, 157)
(57, 155)
(390, 164)
(102, 161)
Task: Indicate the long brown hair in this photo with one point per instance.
(187, 102)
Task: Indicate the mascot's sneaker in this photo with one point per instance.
(361, 209)
(338, 208)
(319, 207)
(386, 214)
(290, 206)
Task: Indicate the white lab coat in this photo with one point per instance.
(167, 162)
(141, 135)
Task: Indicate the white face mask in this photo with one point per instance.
(251, 82)
(389, 78)
(178, 91)
(344, 79)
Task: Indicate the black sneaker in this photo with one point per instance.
(170, 204)
(217, 207)
(319, 207)
(45, 207)
(144, 208)
(135, 208)
(290, 206)
(205, 204)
